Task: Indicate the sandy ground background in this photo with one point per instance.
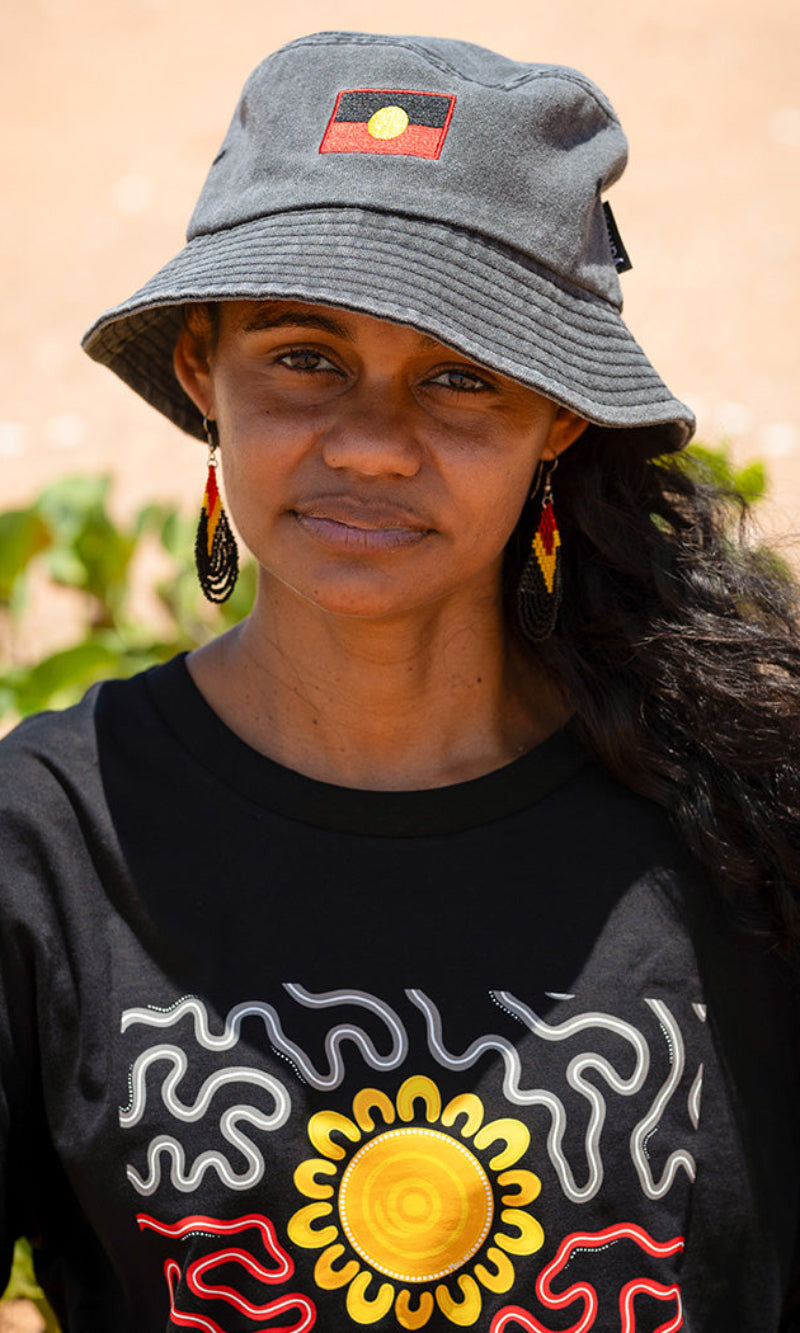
(113, 109)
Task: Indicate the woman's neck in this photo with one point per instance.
(424, 700)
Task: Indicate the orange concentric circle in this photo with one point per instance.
(415, 1204)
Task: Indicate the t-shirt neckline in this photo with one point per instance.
(399, 814)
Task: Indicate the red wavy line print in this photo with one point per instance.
(592, 1240)
(216, 1227)
(196, 1271)
(292, 1301)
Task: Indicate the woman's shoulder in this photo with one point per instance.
(44, 739)
(57, 749)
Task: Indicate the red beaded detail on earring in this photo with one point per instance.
(539, 589)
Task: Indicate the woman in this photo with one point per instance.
(418, 954)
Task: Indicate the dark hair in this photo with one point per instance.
(202, 319)
(677, 646)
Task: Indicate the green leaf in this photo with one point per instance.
(23, 1284)
(706, 464)
(23, 534)
(67, 504)
(90, 551)
(63, 677)
(751, 482)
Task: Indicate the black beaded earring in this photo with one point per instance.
(540, 584)
(215, 553)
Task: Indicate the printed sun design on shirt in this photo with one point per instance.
(415, 1205)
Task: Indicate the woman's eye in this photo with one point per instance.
(461, 381)
(305, 358)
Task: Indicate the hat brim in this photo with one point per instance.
(484, 300)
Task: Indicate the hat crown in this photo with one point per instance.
(522, 160)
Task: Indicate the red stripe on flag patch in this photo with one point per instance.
(352, 137)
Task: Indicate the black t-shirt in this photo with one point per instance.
(278, 1055)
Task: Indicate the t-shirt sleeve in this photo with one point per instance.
(18, 1043)
(29, 797)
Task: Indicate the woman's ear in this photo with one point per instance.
(193, 371)
(565, 429)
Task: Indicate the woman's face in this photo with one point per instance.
(369, 468)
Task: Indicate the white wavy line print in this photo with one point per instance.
(333, 1041)
(133, 1113)
(164, 1145)
(695, 1094)
(540, 1096)
(680, 1158)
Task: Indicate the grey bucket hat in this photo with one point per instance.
(425, 181)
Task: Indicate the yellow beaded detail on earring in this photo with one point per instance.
(540, 584)
(215, 553)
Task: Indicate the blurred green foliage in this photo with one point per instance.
(23, 1285)
(716, 465)
(68, 535)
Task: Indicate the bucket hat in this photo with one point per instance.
(425, 181)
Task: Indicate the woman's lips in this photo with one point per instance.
(353, 527)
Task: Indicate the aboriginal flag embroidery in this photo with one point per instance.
(388, 120)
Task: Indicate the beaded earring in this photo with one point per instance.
(539, 588)
(215, 553)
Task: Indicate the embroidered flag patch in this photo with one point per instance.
(388, 120)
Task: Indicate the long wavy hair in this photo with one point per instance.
(677, 646)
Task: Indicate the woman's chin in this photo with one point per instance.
(360, 594)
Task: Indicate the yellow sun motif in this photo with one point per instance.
(388, 123)
(416, 1204)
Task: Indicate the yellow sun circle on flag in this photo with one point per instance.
(415, 1204)
(387, 123)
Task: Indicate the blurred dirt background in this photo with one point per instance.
(113, 109)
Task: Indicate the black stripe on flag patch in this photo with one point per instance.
(421, 108)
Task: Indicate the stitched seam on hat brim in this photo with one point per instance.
(132, 357)
(472, 245)
(472, 237)
(572, 332)
(573, 338)
(130, 351)
(504, 342)
(165, 394)
(565, 72)
(587, 334)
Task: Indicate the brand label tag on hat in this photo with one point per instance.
(618, 252)
(388, 120)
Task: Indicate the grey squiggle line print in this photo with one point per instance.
(695, 1093)
(167, 1145)
(681, 1158)
(164, 1145)
(335, 1037)
(133, 1113)
(540, 1096)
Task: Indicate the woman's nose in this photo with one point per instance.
(374, 435)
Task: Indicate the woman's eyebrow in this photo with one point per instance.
(265, 319)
